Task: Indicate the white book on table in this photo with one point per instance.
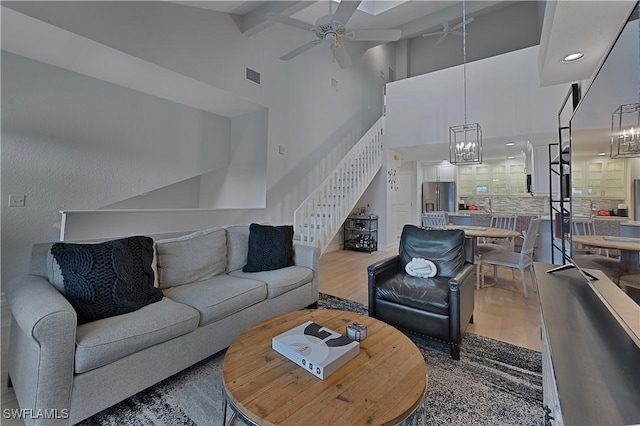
(317, 349)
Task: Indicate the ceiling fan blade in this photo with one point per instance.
(290, 21)
(299, 50)
(373, 35)
(436, 33)
(458, 33)
(441, 39)
(342, 56)
(345, 10)
(467, 22)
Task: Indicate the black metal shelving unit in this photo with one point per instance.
(560, 173)
(361, 233)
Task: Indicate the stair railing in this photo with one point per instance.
(321, 215)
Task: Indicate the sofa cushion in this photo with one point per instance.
(237, 246)
(54, 273)
(279, 281)
(426, 294)
(270, 248)
(190, 258)
(219, 297)
(107, 340)
(109, 278)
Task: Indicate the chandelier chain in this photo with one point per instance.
(464, 58)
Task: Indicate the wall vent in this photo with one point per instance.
(251, 75)
(334, 83)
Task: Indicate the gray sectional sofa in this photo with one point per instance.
(55, 364)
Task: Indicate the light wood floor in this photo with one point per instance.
(501, 312)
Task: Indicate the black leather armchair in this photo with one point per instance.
(439, 307)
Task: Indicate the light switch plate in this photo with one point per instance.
(17, 200)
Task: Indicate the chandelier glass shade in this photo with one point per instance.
(625, 121)
(465, 144)
(625, 131)
(465, 141)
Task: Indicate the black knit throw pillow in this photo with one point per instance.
(107, 279)
(270, 248)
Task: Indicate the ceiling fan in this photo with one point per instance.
(446, 30)
(332, 29)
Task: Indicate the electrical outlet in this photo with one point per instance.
(17, 200)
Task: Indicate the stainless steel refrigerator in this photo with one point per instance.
(438, 196)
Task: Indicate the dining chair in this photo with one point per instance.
(502, 221)
(629, 281)
(435, 220)
(583, 227)
(513, 260)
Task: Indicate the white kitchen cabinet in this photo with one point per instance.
(446, 172)
(505, 178)
(465, 181)
(439, 173)
(599, 178)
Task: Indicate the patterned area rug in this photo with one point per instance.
(493, 383)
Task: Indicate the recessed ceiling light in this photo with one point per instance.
(602, 153)
(509, 144)
(573, 57)
(510, 157)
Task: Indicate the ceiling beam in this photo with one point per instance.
(256, 20)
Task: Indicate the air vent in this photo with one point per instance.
(251, 75)
(334, 83)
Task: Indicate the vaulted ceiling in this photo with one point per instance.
(559, 27)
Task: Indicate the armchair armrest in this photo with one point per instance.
(42, 344)
(378, 272)
(461, 301)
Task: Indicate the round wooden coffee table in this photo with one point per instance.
(384, 384)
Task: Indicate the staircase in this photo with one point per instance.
(321, 215)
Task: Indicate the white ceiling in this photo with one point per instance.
(588, 26)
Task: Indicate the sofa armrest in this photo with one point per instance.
(306, 256)
(378, 272)
(42, 344)
(309, 257)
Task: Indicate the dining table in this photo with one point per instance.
(476, 232)
(485, 231)
(629, 249)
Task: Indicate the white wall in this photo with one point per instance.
(181, 195)
(503, 95)
(74, 142)
(316, 124)
(485, 38)
(242, 184)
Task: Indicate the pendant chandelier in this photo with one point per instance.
(625, 125)
(465, 141)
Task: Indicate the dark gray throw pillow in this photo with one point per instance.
(107, 279)
(270, 248)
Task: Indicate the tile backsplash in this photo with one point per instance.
(518, 205)
(583, 206)
(539, 205)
